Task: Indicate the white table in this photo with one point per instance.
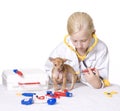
(84, 99)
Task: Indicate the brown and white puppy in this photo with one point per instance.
(61, 73)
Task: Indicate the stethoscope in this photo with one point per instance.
(82, 58)
(89, 49)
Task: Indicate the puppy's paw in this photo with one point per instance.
(70, 88)
(56, 88)
(63, 88)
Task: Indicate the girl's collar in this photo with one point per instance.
(89, 49)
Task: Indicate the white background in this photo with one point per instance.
(31, 29)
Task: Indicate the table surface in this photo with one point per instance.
(84, 99)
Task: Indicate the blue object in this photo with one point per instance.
(49, 92)
(27, 101)
(29, 94)
(51, 101)
(15, 70)
(68, 94)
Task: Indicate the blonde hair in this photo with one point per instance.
(80, 21)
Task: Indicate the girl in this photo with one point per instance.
(84, 51)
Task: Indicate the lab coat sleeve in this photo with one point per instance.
(103, 63)
(48, 68)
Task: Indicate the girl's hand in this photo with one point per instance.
(93, 78)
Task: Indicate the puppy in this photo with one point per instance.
(61, 73)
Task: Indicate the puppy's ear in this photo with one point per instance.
(51, 59)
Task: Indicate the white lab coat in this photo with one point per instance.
(97, 58)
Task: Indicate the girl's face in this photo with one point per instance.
(81, 41)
